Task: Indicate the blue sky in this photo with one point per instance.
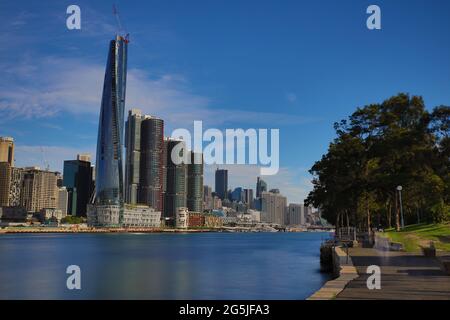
(294, 65)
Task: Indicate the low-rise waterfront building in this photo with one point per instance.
(133, 216)
(182, 218)
(13, 214)
(213, 221)
(48, 214)
(196, 220)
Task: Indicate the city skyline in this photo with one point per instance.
(172, 78)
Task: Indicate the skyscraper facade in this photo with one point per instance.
(15, 186)
(207, 198)
(221, 184)
(273, 208)
(132, 155)
(248, 197)
(39, 190)
(5, 179)
(176, 179)
(295, 214)
(151, 163)
(237, 194)
(7, 150)
(63, 198)
(261, 186)
(109, 169)
(77, 178)
(195, 183)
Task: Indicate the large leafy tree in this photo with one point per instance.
(379, 147)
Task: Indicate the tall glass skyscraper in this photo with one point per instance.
(151, 166)
(176, 179)
(222, 183)
(195, 183)
(109, 167)
(77, 178)
(132, 155)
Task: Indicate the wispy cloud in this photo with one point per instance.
(43, 88)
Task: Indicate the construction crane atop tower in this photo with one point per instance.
(120, 30)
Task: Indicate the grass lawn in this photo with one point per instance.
(414, 236)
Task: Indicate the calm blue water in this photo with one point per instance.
(162, 266)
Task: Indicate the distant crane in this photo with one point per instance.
(44, 160)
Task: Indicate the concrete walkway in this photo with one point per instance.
(403, 276)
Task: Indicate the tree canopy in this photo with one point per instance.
(380, 147)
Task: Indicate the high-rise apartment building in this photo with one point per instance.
(144, 143)
(151, 163)
(109, 186)
(77, 178)
(39, 190)
(176, 178)
(7, 150)
(15, 187)
(273, 208)
(5, 180)
(195, 183)
(295, 214)
(221, 183)
(132, 155)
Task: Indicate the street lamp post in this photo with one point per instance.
(400, 188)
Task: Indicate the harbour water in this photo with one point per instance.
(162, 266)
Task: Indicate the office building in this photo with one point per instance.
(261, 186)
(7, 150)
(77, 178)
(237, 195)
(221, 184)
(273, 208)
(195, 183)
(63, 200)
(207, 198)
(176, 178)
(217, 203)
(248, 197)
(109, 185)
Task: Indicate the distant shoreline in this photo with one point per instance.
(37, 230)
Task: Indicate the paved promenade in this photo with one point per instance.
(403, 276)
